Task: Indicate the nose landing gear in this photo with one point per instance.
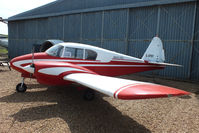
(21, 87)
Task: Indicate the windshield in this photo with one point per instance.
(55, 50)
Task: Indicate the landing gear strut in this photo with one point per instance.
(21, 87)
(89, 95)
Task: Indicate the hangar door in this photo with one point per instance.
(174, 25)
(195, 55)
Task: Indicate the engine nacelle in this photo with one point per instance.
(49, 43)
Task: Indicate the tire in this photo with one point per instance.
(20, 88)
(89, 95)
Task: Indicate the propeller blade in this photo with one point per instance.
(33, 50)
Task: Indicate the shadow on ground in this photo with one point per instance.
(81, 116)
(3, 69)
(35, 86)
(197, 94)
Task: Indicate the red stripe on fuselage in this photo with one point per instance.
(120, 68)
(106, 70)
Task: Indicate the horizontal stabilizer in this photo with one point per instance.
(123, 88)
(166, 64)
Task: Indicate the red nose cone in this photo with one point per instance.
(19, 62)
(16, 63)
(12, 62)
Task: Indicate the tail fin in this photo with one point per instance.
(155, 51)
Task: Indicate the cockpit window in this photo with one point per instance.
(73, 53)
(90, 54)
(79, 53)
(69, 52)
(55, 50)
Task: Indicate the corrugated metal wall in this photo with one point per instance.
(72, 28)
(114, 30)
(128, 31)
(194, 73)
(176, 29)
(91, 28)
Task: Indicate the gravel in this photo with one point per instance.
(62, 109)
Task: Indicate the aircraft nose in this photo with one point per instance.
(16, 62)
(19, 63)
(12, 61)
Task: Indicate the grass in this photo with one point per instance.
(3, 35)
(3, 50)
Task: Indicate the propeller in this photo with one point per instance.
(33, 50)
(31, 68)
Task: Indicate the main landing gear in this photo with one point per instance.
(21, 87)
(88, 94)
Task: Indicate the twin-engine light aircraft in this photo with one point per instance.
(95, 68)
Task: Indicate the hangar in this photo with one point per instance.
(125, 26)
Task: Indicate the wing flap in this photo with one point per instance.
(123, 88)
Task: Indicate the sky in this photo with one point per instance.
(10, 8)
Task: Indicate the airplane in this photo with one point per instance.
(4, 42)
(96, 69)
(3, 38)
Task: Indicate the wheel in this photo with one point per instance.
(20, 88)
(89, 95)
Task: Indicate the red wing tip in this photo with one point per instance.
(179, 94)
(148, 91)
(134, 97)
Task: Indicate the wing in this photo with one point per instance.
(122, 88)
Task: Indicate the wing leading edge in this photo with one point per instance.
(123, 88)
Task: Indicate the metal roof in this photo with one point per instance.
(62, 7)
